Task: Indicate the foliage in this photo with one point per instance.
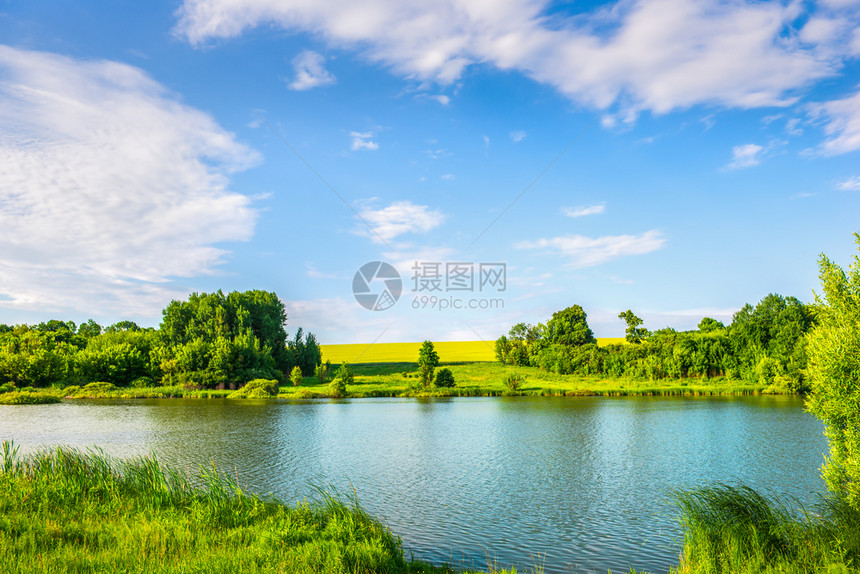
(634, 333)
(208, 341)
(428, 360)
(444, 378)
(256, 389)
(343, 377)
(569, 327)
(834, 372)
(764, 346)
(296, 376)
(513, 381)
(322, 372)
(27, 398)
(730, 528)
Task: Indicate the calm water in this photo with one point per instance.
(578, 485)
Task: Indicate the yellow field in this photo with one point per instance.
(449, 351)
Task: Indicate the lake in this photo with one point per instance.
(573, 484)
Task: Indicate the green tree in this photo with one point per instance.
(833, 348)
(296, 376)
(444, 378)
(707, 324)
(90, 329)
(569, 327)
(343, 377)
(634, 332)
(428, 360)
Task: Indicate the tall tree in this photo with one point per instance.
(569, 327)
(428, 360)
(634, 333)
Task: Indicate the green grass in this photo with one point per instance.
(449, 351)
(65, 510)
(734, 529)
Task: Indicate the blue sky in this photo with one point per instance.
(675, 157)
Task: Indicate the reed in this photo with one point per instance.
(733, 528)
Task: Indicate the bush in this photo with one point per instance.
(513, 381)
(142, 383)
(256, 389)
(445, 378)
(95, 390)
(296, 376)
(22, 398)
(342, 378)
(7, 388)
(322, 372)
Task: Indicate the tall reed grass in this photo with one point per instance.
(64, 510)
(734, 529)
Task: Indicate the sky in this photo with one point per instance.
(506, 159)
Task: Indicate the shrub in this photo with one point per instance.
(296, 376)
(142, 383)
(445, 378)
(322, 372)
(256, 389)
(513, 381)
(22, 398)
(7, 388)
(342, 378)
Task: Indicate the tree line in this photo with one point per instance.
(207, 341)
(764, 344)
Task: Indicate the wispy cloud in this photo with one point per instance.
(518, 136)
(362, 140)
(656, 55)
(841, 124)
(582, 251)
(398, 218)
(849, 184)
(310, 71)
(746, 155)
(583, 211)
(110, 187)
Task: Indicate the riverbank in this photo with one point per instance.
(481, 379)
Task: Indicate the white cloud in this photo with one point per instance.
(448, 177)
(109, 186)
(656, 55)
(310, 71)
(746, 155)
(362, 140)
(841, 124)
(518, 136)
(595, 209)
(849, 184)
(442, 99)
(589, 251)
(398, 218)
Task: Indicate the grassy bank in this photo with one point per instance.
(68, 511)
